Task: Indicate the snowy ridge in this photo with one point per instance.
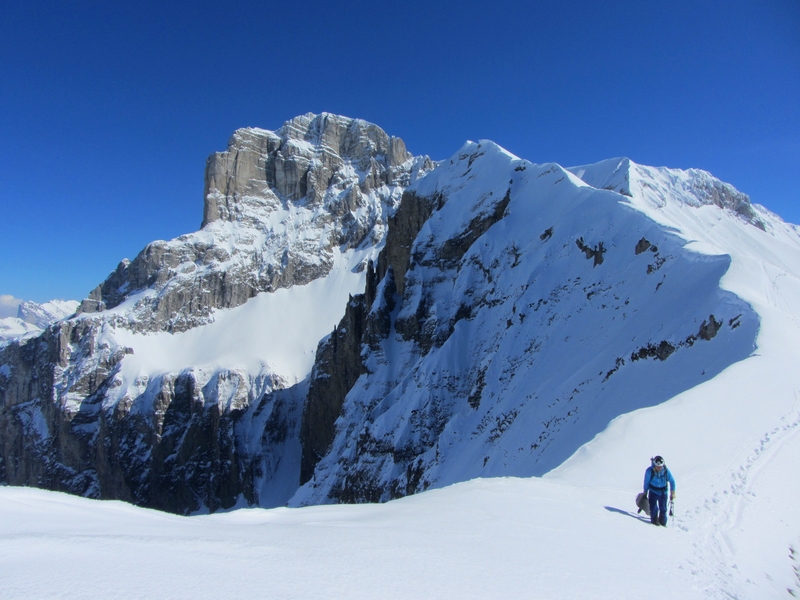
(517, 343)
(736, 434)
(660, 185)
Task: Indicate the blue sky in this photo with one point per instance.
(108, 110)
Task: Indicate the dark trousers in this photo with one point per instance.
(658, 506)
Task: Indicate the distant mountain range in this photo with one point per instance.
(20, 319)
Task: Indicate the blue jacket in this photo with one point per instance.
(653, 480)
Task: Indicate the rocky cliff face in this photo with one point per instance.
(82, 407)
(340, 357)
(301, 162)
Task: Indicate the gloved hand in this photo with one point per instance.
(672, 495)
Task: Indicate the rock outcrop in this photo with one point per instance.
(301, 162)
(339, 362)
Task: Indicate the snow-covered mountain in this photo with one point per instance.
(21, 319)
(280, 208)
(532, 309)
(352, 324)
(356, 324)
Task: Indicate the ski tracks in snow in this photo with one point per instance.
(719, 512)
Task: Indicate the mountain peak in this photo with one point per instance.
(611, 174)
(278, 205)
(692, 187)
(298, 163)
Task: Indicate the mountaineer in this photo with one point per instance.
(656, 479)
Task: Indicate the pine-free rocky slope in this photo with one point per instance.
(532, 309)
(490, 323)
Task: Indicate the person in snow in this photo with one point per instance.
(656, 479)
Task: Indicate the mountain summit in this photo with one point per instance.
(149, 393)
(278, 207)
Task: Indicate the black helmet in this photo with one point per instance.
(658, 461)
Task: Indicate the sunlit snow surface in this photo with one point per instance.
(731, 442)
(498, 538)
(549, 352)
(277, 332)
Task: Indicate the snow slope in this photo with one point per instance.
(273, 332)
(732, 440)
(503, 538)
(13, 328)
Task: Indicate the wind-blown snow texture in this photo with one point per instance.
(562, 325)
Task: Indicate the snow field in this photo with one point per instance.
(273, 332)
(499, 538)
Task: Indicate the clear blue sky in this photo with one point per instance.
(108, 110)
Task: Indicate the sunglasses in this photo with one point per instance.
(659, 464)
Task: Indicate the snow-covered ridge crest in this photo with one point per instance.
(658, 185)
(537, 304)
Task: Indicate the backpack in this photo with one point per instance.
(643, 503)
